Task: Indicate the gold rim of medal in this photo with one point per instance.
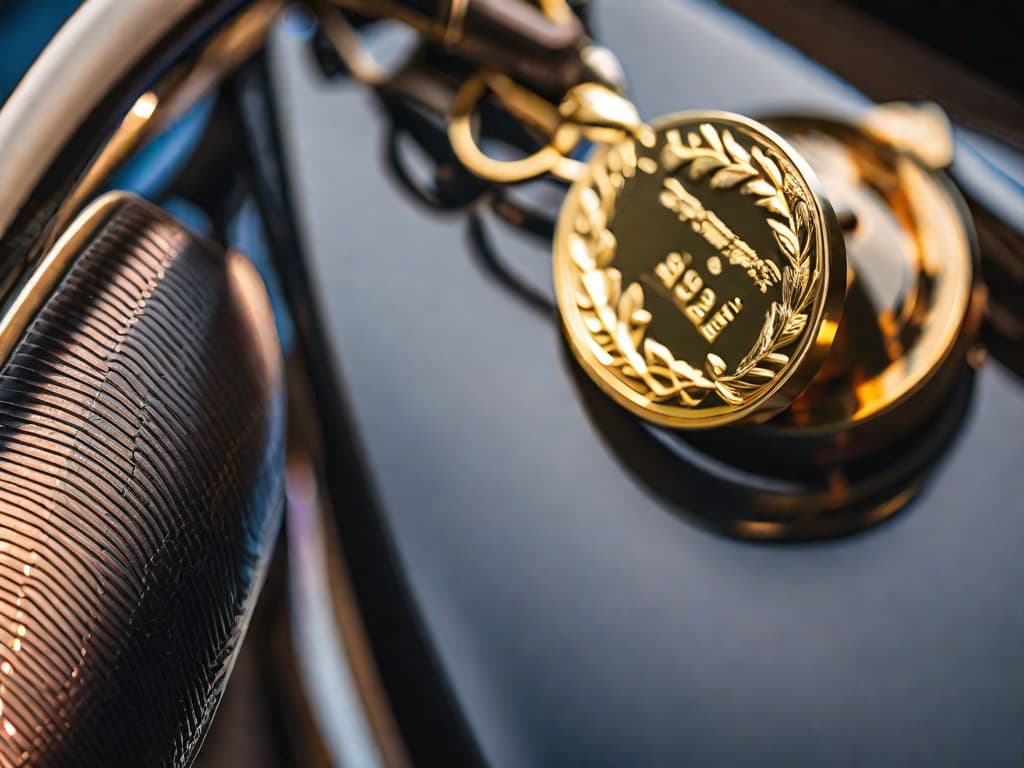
(700, 277)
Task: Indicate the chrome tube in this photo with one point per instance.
(72, 100)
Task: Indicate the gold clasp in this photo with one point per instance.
(604, 115)
(588, 111)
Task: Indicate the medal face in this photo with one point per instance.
(699, 273)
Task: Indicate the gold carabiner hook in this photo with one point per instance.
(588, 111)
(551, 158)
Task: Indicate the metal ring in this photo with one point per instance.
(548, 159)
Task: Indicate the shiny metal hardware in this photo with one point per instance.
(914, 297)
(898, 200)
(588, 112)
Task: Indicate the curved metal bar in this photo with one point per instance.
(74, 97)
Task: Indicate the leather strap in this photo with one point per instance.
(511, 36)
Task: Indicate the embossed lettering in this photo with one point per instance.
(708, 225)
(697, 311)
(689, 286)
(671, 269)
(725, 315)
(695, 297)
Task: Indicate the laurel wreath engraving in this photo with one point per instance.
(616, 319)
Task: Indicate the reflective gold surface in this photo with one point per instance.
(588, 111)
(550, 158)
(700, 275)
(913, 303)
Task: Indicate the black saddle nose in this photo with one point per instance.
(141, 454)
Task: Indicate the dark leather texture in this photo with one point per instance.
(141, 444)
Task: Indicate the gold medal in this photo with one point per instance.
(701, 274)
(704, 280)
(699, 271)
